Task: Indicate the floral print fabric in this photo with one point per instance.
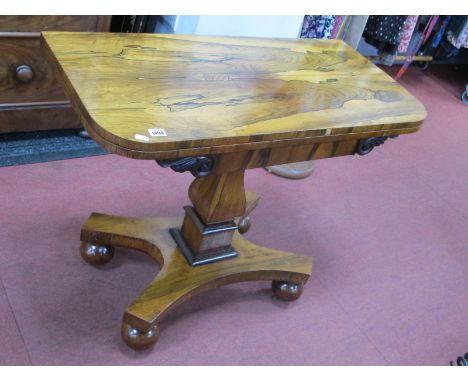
(408, 29)
(318, 26)
(458, 32)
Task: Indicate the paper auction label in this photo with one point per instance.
(157, 132)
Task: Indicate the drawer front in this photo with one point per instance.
(31, 98)
(63, 23)
(25, 75)
(38, 118)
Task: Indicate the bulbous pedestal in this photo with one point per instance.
(96, 254)
(138, 340)
(286, 291)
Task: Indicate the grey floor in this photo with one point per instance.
(44, 146)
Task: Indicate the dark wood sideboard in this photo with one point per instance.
(31, 98)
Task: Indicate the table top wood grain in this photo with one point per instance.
(224, 94)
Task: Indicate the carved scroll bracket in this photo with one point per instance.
(200, 166)
(365, 146)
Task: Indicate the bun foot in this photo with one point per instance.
(96, 254)
(137, 339)
(244, 224)
(286, 291)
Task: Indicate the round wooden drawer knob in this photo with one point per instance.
(24, 73)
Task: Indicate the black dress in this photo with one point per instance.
(385, 33)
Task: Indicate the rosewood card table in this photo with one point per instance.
(217, 106)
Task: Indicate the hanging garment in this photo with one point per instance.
(384, 33)
(441, 31)
(428, 25)
(408, 29)
(336, 26)
(328, 26)
(317, 26)
(432, 23)
(457, 32)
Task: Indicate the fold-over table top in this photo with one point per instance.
(154, 93)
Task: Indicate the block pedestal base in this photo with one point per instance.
(177, 280)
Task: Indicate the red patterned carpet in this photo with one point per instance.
(388, 233)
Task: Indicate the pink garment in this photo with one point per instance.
(336, 26)
(408, 29)
(409, 57)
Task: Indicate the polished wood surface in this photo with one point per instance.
(208, 227)
(222, 105)
(75, 23)
(177, 281)
(225, 94)
(219, 197)
(203, 243)
(137, 339)
(96, 254)
(287, 291)
(42, 84)
(31, 98)
(244, 223)
(37, 116)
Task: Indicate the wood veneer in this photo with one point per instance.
(31, 98)
(177, 281)
(219, 94)
(225, 105)
(75, 23)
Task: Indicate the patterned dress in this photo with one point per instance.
(458, 32)
(408, 29)
(385, 33)
(318, 26)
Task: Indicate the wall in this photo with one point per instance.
(253, 26)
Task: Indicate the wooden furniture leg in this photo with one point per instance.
(244, 223)
(225, 202)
